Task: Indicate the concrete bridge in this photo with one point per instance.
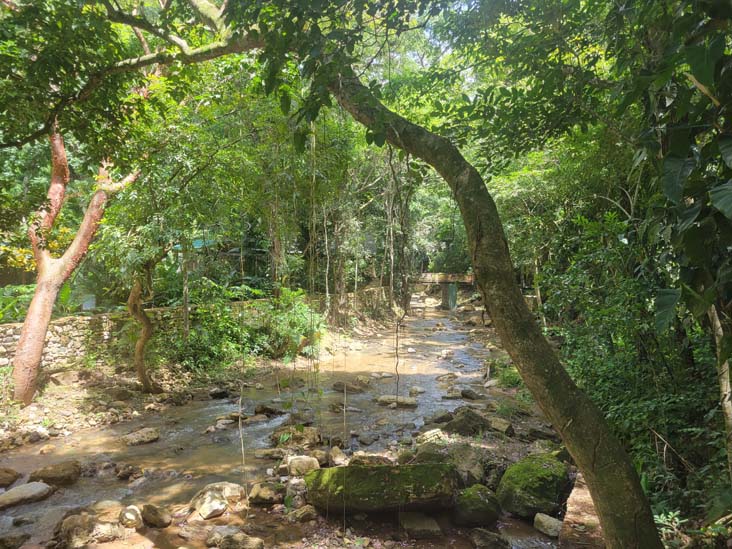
(448, 283)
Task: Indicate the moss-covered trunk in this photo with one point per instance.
(622, 507)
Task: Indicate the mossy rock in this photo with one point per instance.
(360, 488)
(533, 485)
(470, 461)
(476, 506)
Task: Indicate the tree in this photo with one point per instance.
(53, 272)
(291, 28)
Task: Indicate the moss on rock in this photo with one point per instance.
(533, 485)
(476, 506)
(360, 488)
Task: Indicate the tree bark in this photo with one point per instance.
(622, 507)
(725, 386)
(137, 311)
(53, 272)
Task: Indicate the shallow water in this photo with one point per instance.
(186, 458)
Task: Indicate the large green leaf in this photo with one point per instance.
(702, 59)
(725, 147)
(666, 302)
(722, 198)
(675, 173)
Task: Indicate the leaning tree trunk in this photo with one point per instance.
(725, 385)
(53, 272)
(137, 311)
(622, 507)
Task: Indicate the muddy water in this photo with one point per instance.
(186, 458)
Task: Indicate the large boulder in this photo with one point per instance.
(360, 488)
(58, 474)
(8, 477)
(467, 422)
(267, 493)
(533, 485)
(299, 465)
(476, 506)
(213, 499)
(85, 529)
(548, 525)
(25, 493)
(156, 517)
(470, 462)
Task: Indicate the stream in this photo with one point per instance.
(187, 457)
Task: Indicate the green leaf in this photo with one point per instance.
(725, 147)
(722, 198)
(688, 216)
(285, 103)
(702, 59)
(299, 140)
(379, 139)
(675, 173)
(666, 302)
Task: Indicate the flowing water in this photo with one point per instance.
(186, 457)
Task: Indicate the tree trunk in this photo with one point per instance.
(137, 311)
(29, 352)
(52, 273)
(725, 387)
(622, 507)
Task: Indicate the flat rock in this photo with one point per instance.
(485, 539)
(25, 493)
(8, 476)
(13, 541)
(58, 474)
(471, 394)
(267, 493)
(348, 387)
(142, 436)
(400, 402)
(303, 514)
(359, 488)
(213, 499)
(269, 453)
(547, 525)
(419, 526)
(299, 465)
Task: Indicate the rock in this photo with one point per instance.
(547, 525)
(471, 394)
(502, 426)
(416, 390)
(542, 433)
(453, 394)
(156, 517)
(321, 456)
(213, 499)
(469, 461)
(224, 424)
(58, 474)
(367, 439)
(25, 493)
(299, 465)
(125, 471)
(130, 517)
(292, 435)
(84, 530)
(467, 422)
(433, 435)
(419, 526)
(400, 402)
(533, 485)
(491, 383)
(447, 353)
(362, 458)
(269, 411)
(47, 449)
(267, 493)
(446, 378)
(269, 453)
(348, 387)
(13, 541)
(382, 487)
(485, 539)
(336, 457)
(476, 506)
(256, 418)
(386, 375)
(303, 514)
(443, 416)
(362, 380)
(218, 393)
(231, 537)
(141, 436)
(8, 477)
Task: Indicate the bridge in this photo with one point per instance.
(448, 283)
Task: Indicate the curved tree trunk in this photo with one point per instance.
(137, 311)
(53, 272)
(622, 507)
